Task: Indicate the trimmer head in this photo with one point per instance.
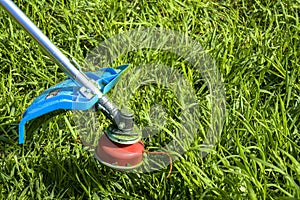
(119, 156)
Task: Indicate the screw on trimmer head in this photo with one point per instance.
(121, 146)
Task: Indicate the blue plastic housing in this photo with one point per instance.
(66, 96)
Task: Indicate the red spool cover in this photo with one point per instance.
(119, 154)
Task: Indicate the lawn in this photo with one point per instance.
(255, 47)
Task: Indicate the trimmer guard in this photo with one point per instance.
(67, 96)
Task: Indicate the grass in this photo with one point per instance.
(256, 48)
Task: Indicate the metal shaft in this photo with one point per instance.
(50, 48)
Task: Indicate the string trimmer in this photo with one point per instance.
(120, 147)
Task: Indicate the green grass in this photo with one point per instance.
(256, 48)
